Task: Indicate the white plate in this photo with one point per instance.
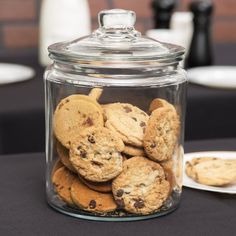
(214, 76)
(188, 182)
(11, 73)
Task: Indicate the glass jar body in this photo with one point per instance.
(121, 96)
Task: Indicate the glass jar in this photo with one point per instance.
(115, 107)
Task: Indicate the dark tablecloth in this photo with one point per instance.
(211, 113)
(24, 210)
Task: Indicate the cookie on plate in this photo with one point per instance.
(161, 134)
(73, 114)
(189, 166)
(141, 188)
(128, 121)
(90, 200)
(96, 154)
(63, 154)
(212, 171)
(158, 103)
(62, 180)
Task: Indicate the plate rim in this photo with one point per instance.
(31, 73)
(195, 79)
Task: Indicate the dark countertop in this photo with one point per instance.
(24, 210)
(211, 112)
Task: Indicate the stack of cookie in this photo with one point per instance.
(114, 156)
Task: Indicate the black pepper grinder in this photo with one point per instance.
(200, 50)
(163, 10)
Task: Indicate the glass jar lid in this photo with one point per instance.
(116, 43)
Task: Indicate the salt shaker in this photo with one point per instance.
(200, 49)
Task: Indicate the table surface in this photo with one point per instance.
(24, 210)
(22, 109)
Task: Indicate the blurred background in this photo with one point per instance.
(211, 112)
(19, 21)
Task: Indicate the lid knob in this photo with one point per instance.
(116, 18)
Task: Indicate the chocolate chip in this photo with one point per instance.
(89, 121)
(135, 119)
(67, 100)
(142, 124)
(119, 193)
(60, 106)
(83, 153)
(153, 145)
(127, 109)
(138, 203)
(92, 204)
(91, 139)
(120, 203)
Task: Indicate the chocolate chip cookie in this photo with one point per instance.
(133, 151)
(96, 154)
(161, 134)
(212, 171)
(90, 200)
(141, 188)
(158, 103)
(103, 187)
(63, 154)
(96, 93)
(128, 121)
(73, 114)
(62, 180)
(57, 165)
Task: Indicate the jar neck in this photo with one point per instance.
(114, 71)
(116, 77)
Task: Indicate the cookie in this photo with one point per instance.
(168, 167)
(63, 154)
(133, 151)
(96, 154)
(62, 180)
(212, 171)
(90, 200)
(158, 103)
(128, 121)
(178, 157)
(57, 165)
(96, 93)
(141, 188)
(161, 134)
(104, 187)
(73, 114)
(189, 166)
